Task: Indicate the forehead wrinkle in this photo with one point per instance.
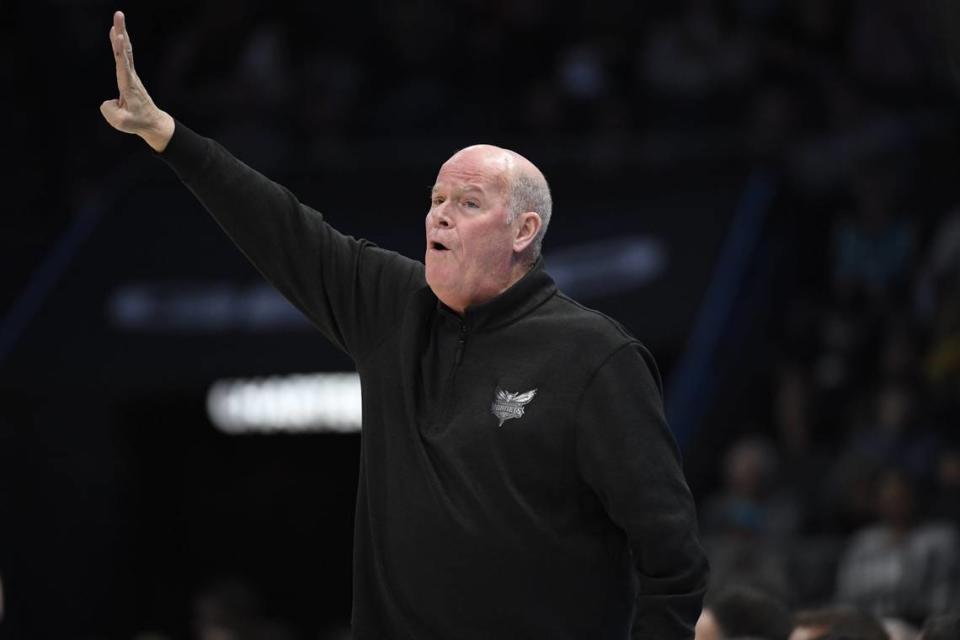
(463, 182)
(462, 189)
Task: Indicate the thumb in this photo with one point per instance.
(111, 112)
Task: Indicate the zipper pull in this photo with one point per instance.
(460, 341)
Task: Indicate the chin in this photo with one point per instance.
(436, 283)
(446, 295)
(430, 274)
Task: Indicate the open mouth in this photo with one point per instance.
(437, 246)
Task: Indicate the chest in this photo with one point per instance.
(477, 425)
(501, 403)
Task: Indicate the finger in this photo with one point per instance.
(110, 109)
(120, 24)
(116, 44)
(123, 69)
(116, 29)
(122, 45)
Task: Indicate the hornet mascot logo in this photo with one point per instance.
(507, 405)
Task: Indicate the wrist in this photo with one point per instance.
(159, 133)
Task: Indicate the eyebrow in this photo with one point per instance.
(467, 189)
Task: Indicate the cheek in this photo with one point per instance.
(489, 242)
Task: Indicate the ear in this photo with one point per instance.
(528, 225)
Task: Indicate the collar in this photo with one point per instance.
(525, 295)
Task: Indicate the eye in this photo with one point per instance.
(436, 200)
(471, 204)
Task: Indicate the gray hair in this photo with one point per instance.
(531, 193)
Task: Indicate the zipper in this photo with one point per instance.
(460, 342)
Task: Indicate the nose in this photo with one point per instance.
(440, 216)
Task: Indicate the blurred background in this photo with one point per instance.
(763, 191)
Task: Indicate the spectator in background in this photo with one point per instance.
(946, 503)
(795, 412)
(897, 434)
(899, 566)
(943, 358)
(746, 523)
(872, 249)
(941, 266)
(792, 411)
(887, 431)
(898, 629)
(230, 609)
(939, 302)
(694, 54)
(750, 502)
(740, 612)
(945, 627)
(837, 622)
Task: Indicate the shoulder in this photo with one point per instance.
(607, 341)
(586, 323)
(937, 535)
(870, 540)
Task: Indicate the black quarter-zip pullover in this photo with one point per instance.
(518, 478)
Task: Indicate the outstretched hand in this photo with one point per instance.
(134, 111)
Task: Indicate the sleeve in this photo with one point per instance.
(352, 290)
(628, 456)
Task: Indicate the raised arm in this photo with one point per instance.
(353, 291)
(134, 110)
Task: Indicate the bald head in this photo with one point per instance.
(510, 161)
(488, 211)
(523, 184)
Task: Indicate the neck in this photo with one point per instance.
(521, 266)
(518, 269)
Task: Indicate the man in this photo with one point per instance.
(518, 479)
(743, 612)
